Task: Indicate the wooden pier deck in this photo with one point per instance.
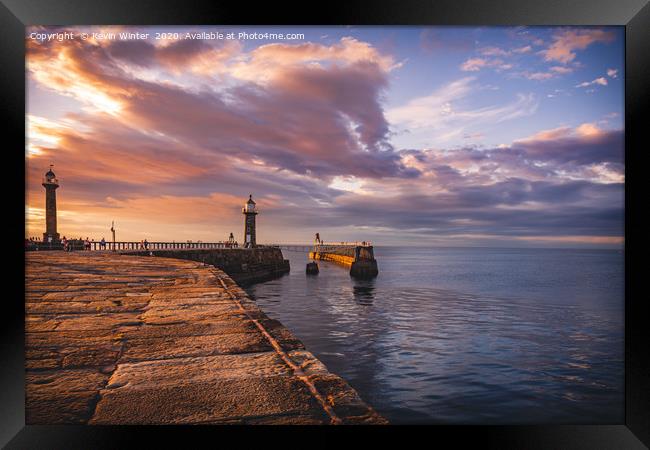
(121, 339)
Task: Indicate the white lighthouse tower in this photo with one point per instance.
(249, 211)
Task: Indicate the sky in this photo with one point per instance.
(419, 136)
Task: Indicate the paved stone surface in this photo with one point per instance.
(122, 339)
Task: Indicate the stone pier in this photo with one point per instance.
(243, 265)
(127, 339)
(359, 258)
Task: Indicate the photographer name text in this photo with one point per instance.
(175, 36)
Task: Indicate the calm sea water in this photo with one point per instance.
(457, 335)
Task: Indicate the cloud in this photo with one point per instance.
(612, 73)
(552, 72)
(586, 152)
(561, 69)
(271, 61)
(473, 64)
(498, 51)
(444, 109)
(567, 41)
(476, 64)
(539, 75)
(524, 49)
(170, 138)
(337, 99)
(493, 51)
(602, 81)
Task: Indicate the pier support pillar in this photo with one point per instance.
(364, 269)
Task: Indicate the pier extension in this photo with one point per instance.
(360, 258)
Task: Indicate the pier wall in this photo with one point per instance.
(243, 265)
(344, 260)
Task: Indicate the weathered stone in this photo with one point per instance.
(207, 402)
(344, 400)
(97, 321)
(43, 363)
(61, 382)
(281, 334)
(91, 357)
(72, 408)
(117, 339)
(183, 346)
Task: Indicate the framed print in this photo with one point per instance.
(262, 219)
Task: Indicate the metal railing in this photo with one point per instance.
(160, 245)
(77, 245)
(346, 244)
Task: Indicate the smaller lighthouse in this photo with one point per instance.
(249, 212)
(50, 183)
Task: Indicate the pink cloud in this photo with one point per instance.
(567, 41)
(473, 64)
(602, 81)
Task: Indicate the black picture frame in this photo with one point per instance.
(16, 14)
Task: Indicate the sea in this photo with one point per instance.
(467, 335)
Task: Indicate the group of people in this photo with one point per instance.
(87, 243)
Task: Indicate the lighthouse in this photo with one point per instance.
(50, 183)
(249, 212)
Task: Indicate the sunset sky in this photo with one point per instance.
(451, 136)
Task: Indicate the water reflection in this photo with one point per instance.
(364, 291)
(466, 336)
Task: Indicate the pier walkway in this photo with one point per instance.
(125, 339)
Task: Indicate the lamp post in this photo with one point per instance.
(113, 231)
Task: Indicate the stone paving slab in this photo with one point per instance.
(124, 339)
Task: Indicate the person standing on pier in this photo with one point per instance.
(102, 244)
(146, 244)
